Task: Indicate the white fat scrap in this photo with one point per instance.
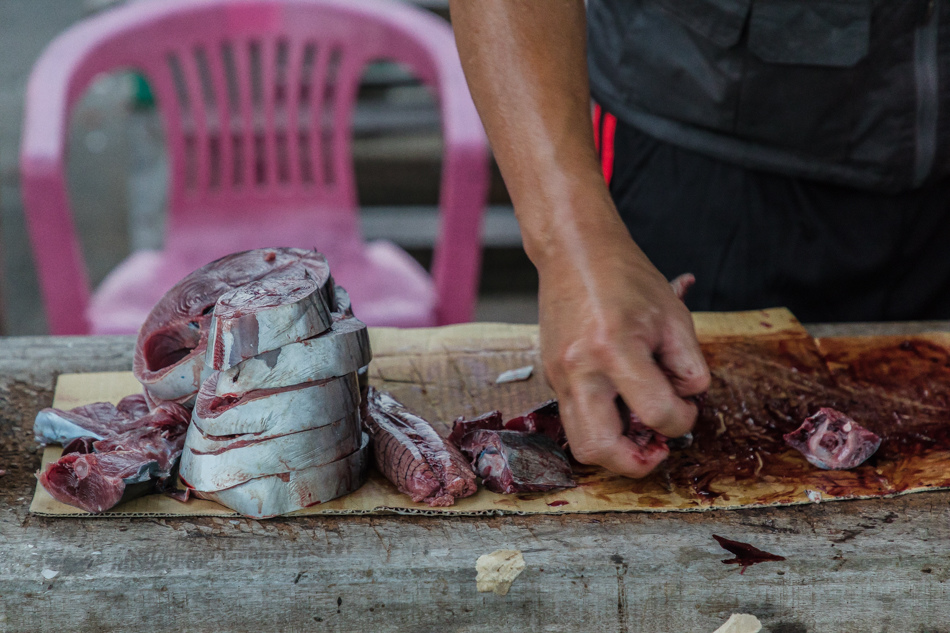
(813, 495)
(210, 465)
(49, 574)
(342, 350)
(279, 494)
(264, 315)
(515, 375)
(281, 412)
(496, 571)
(740, 623)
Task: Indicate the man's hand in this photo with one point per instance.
(610, 323)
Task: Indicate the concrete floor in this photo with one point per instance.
(106, 188)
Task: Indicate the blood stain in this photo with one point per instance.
(745, 555)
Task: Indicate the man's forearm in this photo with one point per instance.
(526, 65)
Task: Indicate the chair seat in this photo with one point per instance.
(386, 285)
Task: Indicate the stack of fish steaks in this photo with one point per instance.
(267, 348)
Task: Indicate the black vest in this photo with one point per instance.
(855, 92)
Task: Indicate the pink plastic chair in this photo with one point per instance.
(256, 98)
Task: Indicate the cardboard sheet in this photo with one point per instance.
(443, 373)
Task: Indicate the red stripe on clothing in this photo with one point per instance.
(607, 155)
(597, 128)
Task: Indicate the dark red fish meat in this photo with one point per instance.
(651, 447)
(412, 455)
(491, 421)
(96, 482)
(745, 555)
(134, 458)
(544, 419)
(511, 461)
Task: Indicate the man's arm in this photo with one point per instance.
(610, 324)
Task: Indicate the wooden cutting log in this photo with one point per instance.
(210, 465)
(279, 494)
(265, 315)
(275, 411)
(170, 350)
(341, 351)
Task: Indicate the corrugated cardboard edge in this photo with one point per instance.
(403, 511)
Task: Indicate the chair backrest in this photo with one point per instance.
(256, 98)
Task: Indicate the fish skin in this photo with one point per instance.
(50, 427)
(267, 497)
(212, 465)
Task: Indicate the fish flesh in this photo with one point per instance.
(544, 419)
(265, 315)
(172, 342)
(650, 447)
(511, 461)
(341, 351)
(96, 482)
(95, 475)
(278, 411)
(461, 427)
(97, 420)
(832, 441)
(537, 460)
(279, 494)
(412, 455)
(210, 465)
(524, 460)
(159, 437)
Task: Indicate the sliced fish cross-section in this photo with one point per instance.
(170, 350)
(210, 465)
(272, 412)
(265, 315)
(279, 494)
(341, 351)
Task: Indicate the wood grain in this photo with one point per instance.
(861, 566)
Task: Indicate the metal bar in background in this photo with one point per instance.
(417, 226)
